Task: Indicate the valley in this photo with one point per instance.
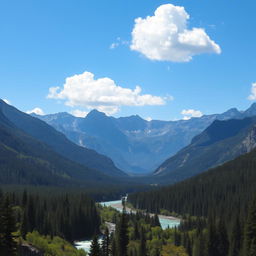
(212, 174)
(165, 221)
(127, 128)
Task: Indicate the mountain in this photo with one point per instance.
(220, 142)
(58, 142)
(135, 145)
(25, 160)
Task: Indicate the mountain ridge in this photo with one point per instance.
(222, 141)
(58, 141)
(136, 146)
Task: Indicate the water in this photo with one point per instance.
(112, 203)
(167, 223)
(85, 245)
(164, 221)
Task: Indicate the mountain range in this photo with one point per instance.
(45, 149)
(135, 145)
(58, 142)
(222, 141)
(25, 160)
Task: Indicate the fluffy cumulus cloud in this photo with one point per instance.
(189, 113)
(165, 36)
(37, 111)
(103, 94)
(252, 96)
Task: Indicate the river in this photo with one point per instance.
(165, 221)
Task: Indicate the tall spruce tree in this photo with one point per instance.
(250, 230)
(113, 250)
(222, 238)
(105, 247)
(8, 244)
(212, 239)
(142, 246)
(253, 248)
(122, 238)
(95, 247)
(236, 239)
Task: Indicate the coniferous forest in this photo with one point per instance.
(217, 207)
(29, 217)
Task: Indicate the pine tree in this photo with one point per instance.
(136, 231)
(122, 238)
(95, 247)
(8, 245)
(177, 237)
(236, 239)
(212, 240)
(199, 246)
(105, 248)
(253, 248)
(156, 222)
(113, 246)
(142, 247)
(250, 231)
(24, 224)
(24, 198)
(222, 238)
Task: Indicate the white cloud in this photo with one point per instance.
(7, 101)
(79, 113)
(188, 113)
(118, 43)
(114, 45)
(252, 96)
(103, 94)
(37, 111)
(166, 36)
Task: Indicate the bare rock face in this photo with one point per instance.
(249, 143)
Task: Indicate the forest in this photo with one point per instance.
(224, 197)
(39, 219)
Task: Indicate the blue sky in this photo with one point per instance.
(44, 42)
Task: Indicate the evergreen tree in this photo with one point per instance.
(253, 248)
(212, 240)
(222, 238)
(236, 239)
(113, 246)
(95, 247)
(199, 246)
(24, 224)
(177, 237)
(250, 231)
(8, 245)
(136, 231)
(105, 248)
(142, 247)
(122, 238)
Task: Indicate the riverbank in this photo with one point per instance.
(118, 205)
(165, 221)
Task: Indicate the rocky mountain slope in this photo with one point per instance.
(220, 142)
